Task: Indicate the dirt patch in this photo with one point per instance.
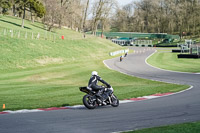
(44, 77)
(49, 60)
(21, 67)
(36, 78)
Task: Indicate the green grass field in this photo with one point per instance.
(193, 127)
(165, 59)
(43, 73)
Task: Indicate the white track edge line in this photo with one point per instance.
(81, 106)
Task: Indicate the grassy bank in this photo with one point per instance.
(165, 59)
(40, 73)
(193, 127)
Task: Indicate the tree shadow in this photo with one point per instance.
(42, 28)
(14, 24)
(38, 27)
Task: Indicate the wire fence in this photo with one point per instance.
(21, 34)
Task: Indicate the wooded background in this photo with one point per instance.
(180, 17)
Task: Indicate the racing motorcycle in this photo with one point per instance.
(91, 100)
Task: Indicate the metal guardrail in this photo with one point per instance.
(119, 52)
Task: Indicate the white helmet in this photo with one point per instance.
(94, 73)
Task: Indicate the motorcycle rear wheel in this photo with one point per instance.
(87, 101)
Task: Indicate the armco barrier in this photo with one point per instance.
(119, 52)
(142, 45)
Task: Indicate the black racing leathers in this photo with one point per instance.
(93, 83)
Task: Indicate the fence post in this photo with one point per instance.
(53, 37)
(26, 35)
(19, 34)
(46, 35)
(11, 34)
(32, 35)
(38, 36)
(4, 32)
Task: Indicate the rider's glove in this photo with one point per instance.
(108, 86)
(89, 88)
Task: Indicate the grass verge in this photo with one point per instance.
(165, 59)
(193, 127)
(58, 85)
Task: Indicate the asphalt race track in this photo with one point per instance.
(178, 108)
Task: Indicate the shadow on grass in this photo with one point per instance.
(42, 28)
(65, 105)
(38, 27)
(14, 23)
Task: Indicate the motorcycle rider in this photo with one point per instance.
(93, 84)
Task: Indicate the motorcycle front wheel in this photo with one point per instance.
(114, 100)
(89, 102)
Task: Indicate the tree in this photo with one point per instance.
(5, 5)
(85, 15)
(52, 15)
(106, 12)
(122, 19)
(97, 9)
(68, 13)
(64, 5)
(160, 16)
(30, 5)
(101, 11)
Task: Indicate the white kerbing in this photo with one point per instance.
(23, 111)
